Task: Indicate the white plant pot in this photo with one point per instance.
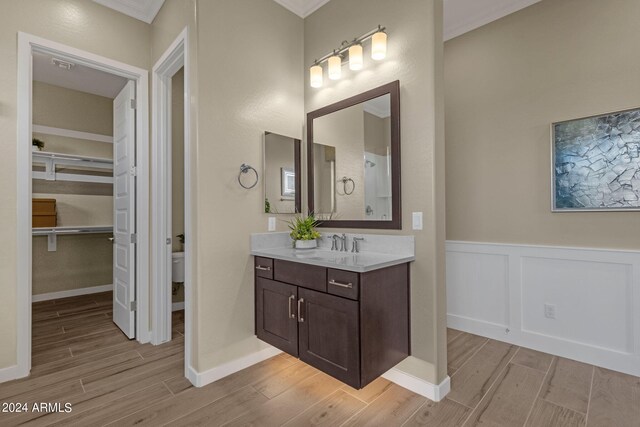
(306, 244)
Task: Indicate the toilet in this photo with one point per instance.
(177, 267)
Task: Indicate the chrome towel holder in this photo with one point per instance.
(344, 181)
(244, 168)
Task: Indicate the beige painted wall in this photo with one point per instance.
(414, 58)
(177, 167)
(177, 157)
(64, 108)
(78, 23)
(251, 55)
(79, 261)
(506, 83)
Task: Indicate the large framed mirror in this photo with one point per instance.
(282, 180)
(353, 154)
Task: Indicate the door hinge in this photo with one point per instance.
(133, 171)
(134, 306)
(134, 238)
(133, 104)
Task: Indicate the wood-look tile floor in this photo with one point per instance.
(81, 358)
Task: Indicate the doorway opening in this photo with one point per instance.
(87, 183)
(172, 233)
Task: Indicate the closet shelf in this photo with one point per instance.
(53, 233)
(52, 161)
(48, 130)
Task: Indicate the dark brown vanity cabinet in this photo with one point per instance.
(353, 326)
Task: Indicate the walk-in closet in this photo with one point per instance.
(72, 208)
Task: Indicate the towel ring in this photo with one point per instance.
(244, 168)
(344, 181)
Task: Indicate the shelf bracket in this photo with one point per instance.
(52, 242)
(50, 170)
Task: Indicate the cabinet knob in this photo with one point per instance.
(262, 268)
(300, 316)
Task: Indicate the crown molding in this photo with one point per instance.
(143, 10)
(492, 10)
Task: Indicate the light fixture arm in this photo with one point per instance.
(346, 45)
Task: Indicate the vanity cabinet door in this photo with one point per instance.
(276, 314)
(329, 335)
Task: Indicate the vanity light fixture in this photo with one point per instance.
(355, 57)
(335, 67)
(379, 46)
(378, 38)
(315, 76)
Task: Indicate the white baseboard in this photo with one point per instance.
(501, 291)
(12, 373)
(177, 306)
(418, 385)
(200, 379)
(71, 293)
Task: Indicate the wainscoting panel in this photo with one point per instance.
(470, 277)
(579, 303)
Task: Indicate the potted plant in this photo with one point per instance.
(181, 238)
(303, 231)
(37, 144)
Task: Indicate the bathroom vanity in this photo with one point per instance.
(345, 313)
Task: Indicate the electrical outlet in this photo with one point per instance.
(272, 223)
(550, 311)
(417, 220)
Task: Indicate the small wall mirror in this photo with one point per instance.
(281, 174)
(354, 160)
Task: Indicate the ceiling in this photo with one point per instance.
(144, 10)
(81, 78)
(460, 16)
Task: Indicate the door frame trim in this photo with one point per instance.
(175, 57)
(27, 44)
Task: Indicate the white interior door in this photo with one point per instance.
(124, 249)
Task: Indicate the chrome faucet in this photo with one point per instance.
(334, 242)
(355, 248)
(343, 243)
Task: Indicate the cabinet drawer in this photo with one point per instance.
(342, 283)
(304, 275)
(264, 267)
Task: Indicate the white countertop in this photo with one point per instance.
(358, 262)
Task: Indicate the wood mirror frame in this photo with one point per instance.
(393, 89)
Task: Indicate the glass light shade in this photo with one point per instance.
(335, 67)
(379, 46)
(355, 57)
(315, 76)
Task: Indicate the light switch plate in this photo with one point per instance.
(417, 220)
(272, 223)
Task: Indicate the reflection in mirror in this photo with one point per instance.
(324, 164)
(281, 174)
(352, 162)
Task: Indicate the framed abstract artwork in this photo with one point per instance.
(596, 163)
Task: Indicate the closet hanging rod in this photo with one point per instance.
(71, 160)
(58, 231)
(53, 233)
